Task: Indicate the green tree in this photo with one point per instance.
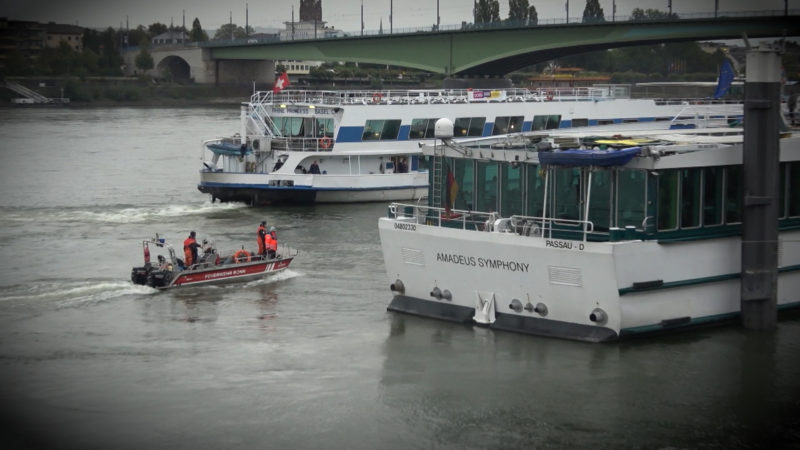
(144, 60)
(487, 11)
(157, 28)
(138, 35)
(639, 14)
(593, 13)
(518, 11)
(231, 29)
(197, 34)
(533, 16)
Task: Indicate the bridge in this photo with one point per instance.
(494, 51)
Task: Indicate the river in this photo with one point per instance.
(309, 358)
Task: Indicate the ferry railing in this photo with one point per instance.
(434, 96)
(303, 144)
(532, 226)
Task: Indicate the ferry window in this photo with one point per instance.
(469, 126)
(567, 193)
(550, 122)
(580, 122)
(793, 181)
(486, 179)
(535, 189)
(422, 128)
(600, 201)
(712, 196)
(507, 124)
(325, 127)
(632, 190)
(668, 200)
(511, 190)
(380, 130)
(690, 198)
(734, 194)
(464, 176)
(289, 126)
(605, 122)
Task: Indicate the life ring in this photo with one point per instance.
(326, 142)
(376, 97)
(241, 256)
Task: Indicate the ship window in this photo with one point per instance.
(690, 198)
(550, 122)
(464, 176)
(511, 190)
(380, 130)
(605, 122)
(469, 126)
(487, 181)
(507, 124)
(567, 193)
(793, 182)
(325, 127)
(422, 128)
(600, 201)
(632, 189)
(668, 200)
(535, 190)
(580, 122)
(712, 196)
(289, 126)
(734, 194)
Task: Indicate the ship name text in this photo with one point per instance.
(483, 263)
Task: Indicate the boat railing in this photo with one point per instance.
(303, 144)
(434, 96)
(545, 227)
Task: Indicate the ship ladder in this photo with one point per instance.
(436, 182)
(484, 308)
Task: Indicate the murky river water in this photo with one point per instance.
(310, 358)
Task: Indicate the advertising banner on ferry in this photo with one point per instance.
(486, 95)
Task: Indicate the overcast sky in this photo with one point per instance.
(341, 14)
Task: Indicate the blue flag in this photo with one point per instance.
(725, 79)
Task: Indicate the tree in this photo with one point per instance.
(639, 14)
(231, 29)
(487, 11)
(518, 11)
(533, 16)
(593, 13)
(156, 29)
(197, 34)
(144, 60)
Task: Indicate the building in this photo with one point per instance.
(57, 33)
(171, 38)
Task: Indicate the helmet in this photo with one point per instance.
(264, 222)
(272, 229)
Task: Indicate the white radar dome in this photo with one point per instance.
(443, 128)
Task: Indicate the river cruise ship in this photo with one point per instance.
(590, 236)
(299, 146)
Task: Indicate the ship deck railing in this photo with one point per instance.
(434, 96)
(545, 227)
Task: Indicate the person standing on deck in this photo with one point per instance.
(190, 247)
(262, 234)
(272, 243)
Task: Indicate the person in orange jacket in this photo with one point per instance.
(190, 247)
(261, 236)
(272, 243)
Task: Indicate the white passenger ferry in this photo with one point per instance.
(588, 246)
(366, 144)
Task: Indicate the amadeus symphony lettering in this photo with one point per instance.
(485, 263)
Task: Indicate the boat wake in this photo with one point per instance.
(69, 294)
(119, 214)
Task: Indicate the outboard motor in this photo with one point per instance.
(139, 275)
(158, 278)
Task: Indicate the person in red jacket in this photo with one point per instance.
(272, 243)
(261, 236)
(190, 247)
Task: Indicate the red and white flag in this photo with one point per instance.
(281, 83)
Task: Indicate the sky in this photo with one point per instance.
(341, 14)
